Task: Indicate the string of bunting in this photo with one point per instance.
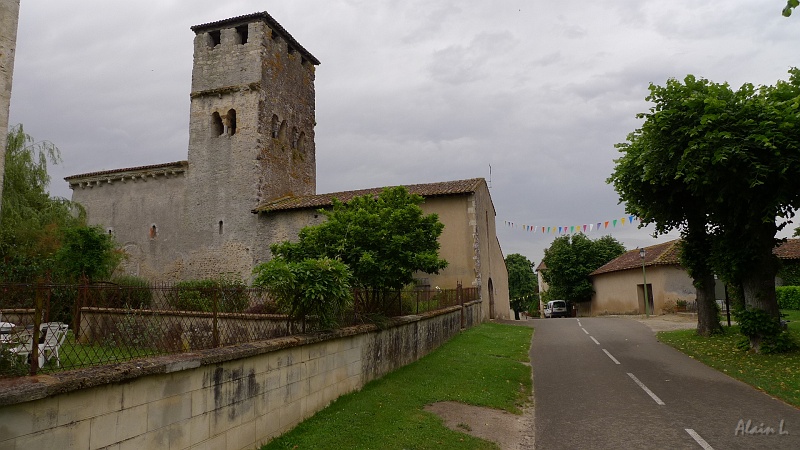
(572, 229)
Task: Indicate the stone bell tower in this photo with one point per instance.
(251, 135)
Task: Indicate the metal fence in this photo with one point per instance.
(48, 327)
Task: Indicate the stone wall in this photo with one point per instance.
(227, 398)
(9, 17)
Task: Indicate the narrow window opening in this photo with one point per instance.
(241, 34)
(216, 123)
(110, 231)
(214, 38)
(294, 137)
(231, 122)
(275, 126)
(220, 227)
(153, 231)
(301, 142)
(282, 131)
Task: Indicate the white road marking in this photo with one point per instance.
(595, 340)
(698, 439)
(649, 392)
(584, 330)
(612, 358)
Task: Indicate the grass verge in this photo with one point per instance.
(777, 375)
(481, 366)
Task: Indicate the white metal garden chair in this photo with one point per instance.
(23, 345)
(54, 334)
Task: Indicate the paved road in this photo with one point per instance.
(607, 383)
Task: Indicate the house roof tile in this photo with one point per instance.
(321, 200)
(788, 250)
(666, 253)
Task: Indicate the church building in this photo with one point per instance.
(250, 176)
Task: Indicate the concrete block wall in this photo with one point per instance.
(228, 398)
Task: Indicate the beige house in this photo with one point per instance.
(468, 243)
(619, 285)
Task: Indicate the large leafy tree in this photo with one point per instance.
(383, 239)
(523, 286)
(31, 220)
(722, 166)
(570, 260)
(647, 172)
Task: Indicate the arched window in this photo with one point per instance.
(220, 227)
(153, 231)
(301, 142)
(282, 131)
(217, 126)
(294, 137)
(231, 122)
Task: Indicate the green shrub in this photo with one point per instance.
(788, 297)
(764, 330)
(199, 295)
(317, 288)
(790, 273)
(134, 292)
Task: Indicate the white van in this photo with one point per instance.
(555, 308)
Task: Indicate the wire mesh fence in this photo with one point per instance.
(49, 327)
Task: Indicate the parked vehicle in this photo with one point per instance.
(556, 308)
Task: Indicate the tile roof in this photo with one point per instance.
(660, 254)
(321, 200)
(177, 165)
(669, 253)
(788, 250)
(273, 24)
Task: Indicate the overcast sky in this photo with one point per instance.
(412, 91)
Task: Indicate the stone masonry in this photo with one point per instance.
(9, 17)
(251, 139)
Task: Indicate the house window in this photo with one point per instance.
(214, 38)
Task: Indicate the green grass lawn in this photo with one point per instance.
(777, 375)
(482, 366)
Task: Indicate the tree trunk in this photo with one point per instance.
(707, 313)
(759, 290)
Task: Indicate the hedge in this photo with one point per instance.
(788, 297)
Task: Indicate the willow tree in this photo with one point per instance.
(31, 221)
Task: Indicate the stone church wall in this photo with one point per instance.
(145, 216)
